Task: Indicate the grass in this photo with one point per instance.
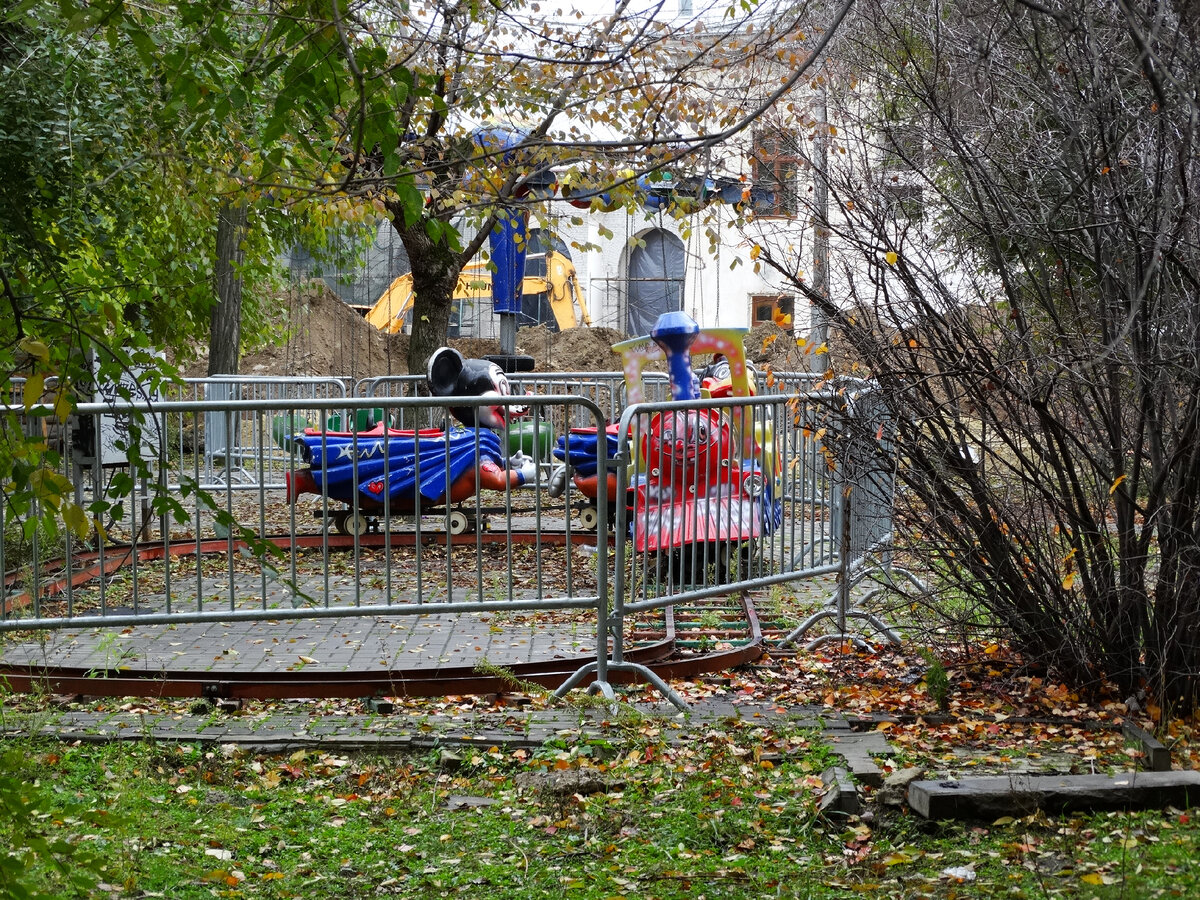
(188, 822)
(725, 811)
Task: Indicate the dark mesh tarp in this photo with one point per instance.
(356, 267)
(655, 280)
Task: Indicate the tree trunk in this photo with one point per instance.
(435, 270)
(225, 338)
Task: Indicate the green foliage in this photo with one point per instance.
(120, 130)
(937, 683)
(729, 810)
(41, 861)
(200, 820)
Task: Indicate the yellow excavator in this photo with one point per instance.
(560, 285)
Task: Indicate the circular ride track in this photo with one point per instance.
(356, 656)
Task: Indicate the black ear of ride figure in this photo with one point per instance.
(450, 375)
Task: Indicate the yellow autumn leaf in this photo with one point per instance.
(1068, 581)
(35, 348)
(1116, 484)
(34, 386)
(755, 251)
(782, 319)
(63, 404)
(75, 519)
(891, 256)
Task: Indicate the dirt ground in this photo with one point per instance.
(321, 335)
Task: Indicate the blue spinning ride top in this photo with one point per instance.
(675, 332)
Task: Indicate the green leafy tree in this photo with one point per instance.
(592, 102)
(120, 140)
(94, 238)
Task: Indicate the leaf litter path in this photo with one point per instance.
(313, 646)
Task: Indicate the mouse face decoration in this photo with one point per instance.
(450, 375)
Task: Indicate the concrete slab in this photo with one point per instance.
(1158, 756)
(1018, 795)
(841, 795)
(856, 748)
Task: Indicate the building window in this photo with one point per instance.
(776, 164)
(903, 199)
(903, 146)
(770, 308)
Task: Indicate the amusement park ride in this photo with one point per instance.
(705, 482)
(700, 478)
(405, 472)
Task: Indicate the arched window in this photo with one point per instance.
(655, 280)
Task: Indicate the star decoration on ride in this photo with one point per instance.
(365, 450)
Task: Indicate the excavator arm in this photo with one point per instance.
(561, 287)
(393, 305)
(563, 292)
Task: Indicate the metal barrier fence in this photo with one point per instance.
(776, 470)
(605, 389)
(721, 496)
(243, 449)
(862, 505)
(441, 504)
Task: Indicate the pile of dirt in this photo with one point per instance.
(324, 336)
(574, 350)
(768, 345)
(318, 334)
(321, 335)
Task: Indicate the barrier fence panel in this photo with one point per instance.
(227, 509)
(605, 389)
(714, 497)
(862, 504)
(869, 471)
(788, 384)
(240, 449)
(723, 495)
(364, 523)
